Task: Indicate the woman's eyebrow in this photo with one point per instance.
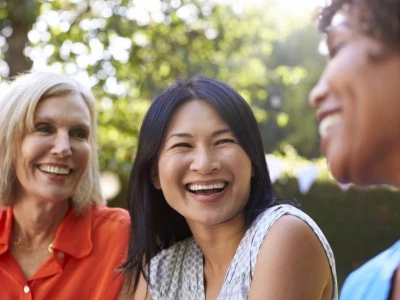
(187, 135)
(179, 134)
(221, 131)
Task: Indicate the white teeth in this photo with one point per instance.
(328, 123)
(197, 187)
(54, 170)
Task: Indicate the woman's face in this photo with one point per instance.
(202, 170)
(53, 158)
(358, 108)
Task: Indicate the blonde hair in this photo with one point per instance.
(17, 109)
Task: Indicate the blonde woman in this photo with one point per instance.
(58, 240)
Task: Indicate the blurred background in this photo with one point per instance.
(268, 50)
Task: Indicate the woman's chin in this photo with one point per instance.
(55, 198)
(338, 170)
(357, 177)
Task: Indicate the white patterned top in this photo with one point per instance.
(176, 273)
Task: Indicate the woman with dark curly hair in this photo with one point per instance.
(358, 110)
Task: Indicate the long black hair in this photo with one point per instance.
(155, 225)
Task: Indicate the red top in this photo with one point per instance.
(87, 250)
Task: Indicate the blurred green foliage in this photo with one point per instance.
(129, 50)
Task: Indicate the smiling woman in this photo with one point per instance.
(205, 221)
(55, 177)
(357, 88)
(54, 227)
(357, 100)
(199, 141)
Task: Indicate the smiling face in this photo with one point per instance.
(202, 170)
(53, 158)
(358, 108)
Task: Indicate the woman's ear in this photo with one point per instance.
(155, 180)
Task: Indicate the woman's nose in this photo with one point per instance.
(318, 93)
(61, 147)
(205, 162)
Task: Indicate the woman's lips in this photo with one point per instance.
(328, 123)
(209, 192)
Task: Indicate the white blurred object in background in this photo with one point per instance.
(110, 185)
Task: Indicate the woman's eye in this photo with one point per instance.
(181, 145)
(224, 141)
(79, 133)
(44, 127)
(335, 49)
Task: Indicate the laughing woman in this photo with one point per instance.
(205, 221)
(357, 100)
(57, 238)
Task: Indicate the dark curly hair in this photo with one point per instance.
(379, 19)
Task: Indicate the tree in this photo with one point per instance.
(16, 19)
(127, 51)
(298, 65)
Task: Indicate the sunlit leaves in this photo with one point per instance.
(291, 75)
(129, 50)
(282, 119)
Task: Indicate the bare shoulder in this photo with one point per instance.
(290, 229)
(292, 238)
(292, 263)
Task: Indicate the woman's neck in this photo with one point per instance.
(37, 222)
(219, 242)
